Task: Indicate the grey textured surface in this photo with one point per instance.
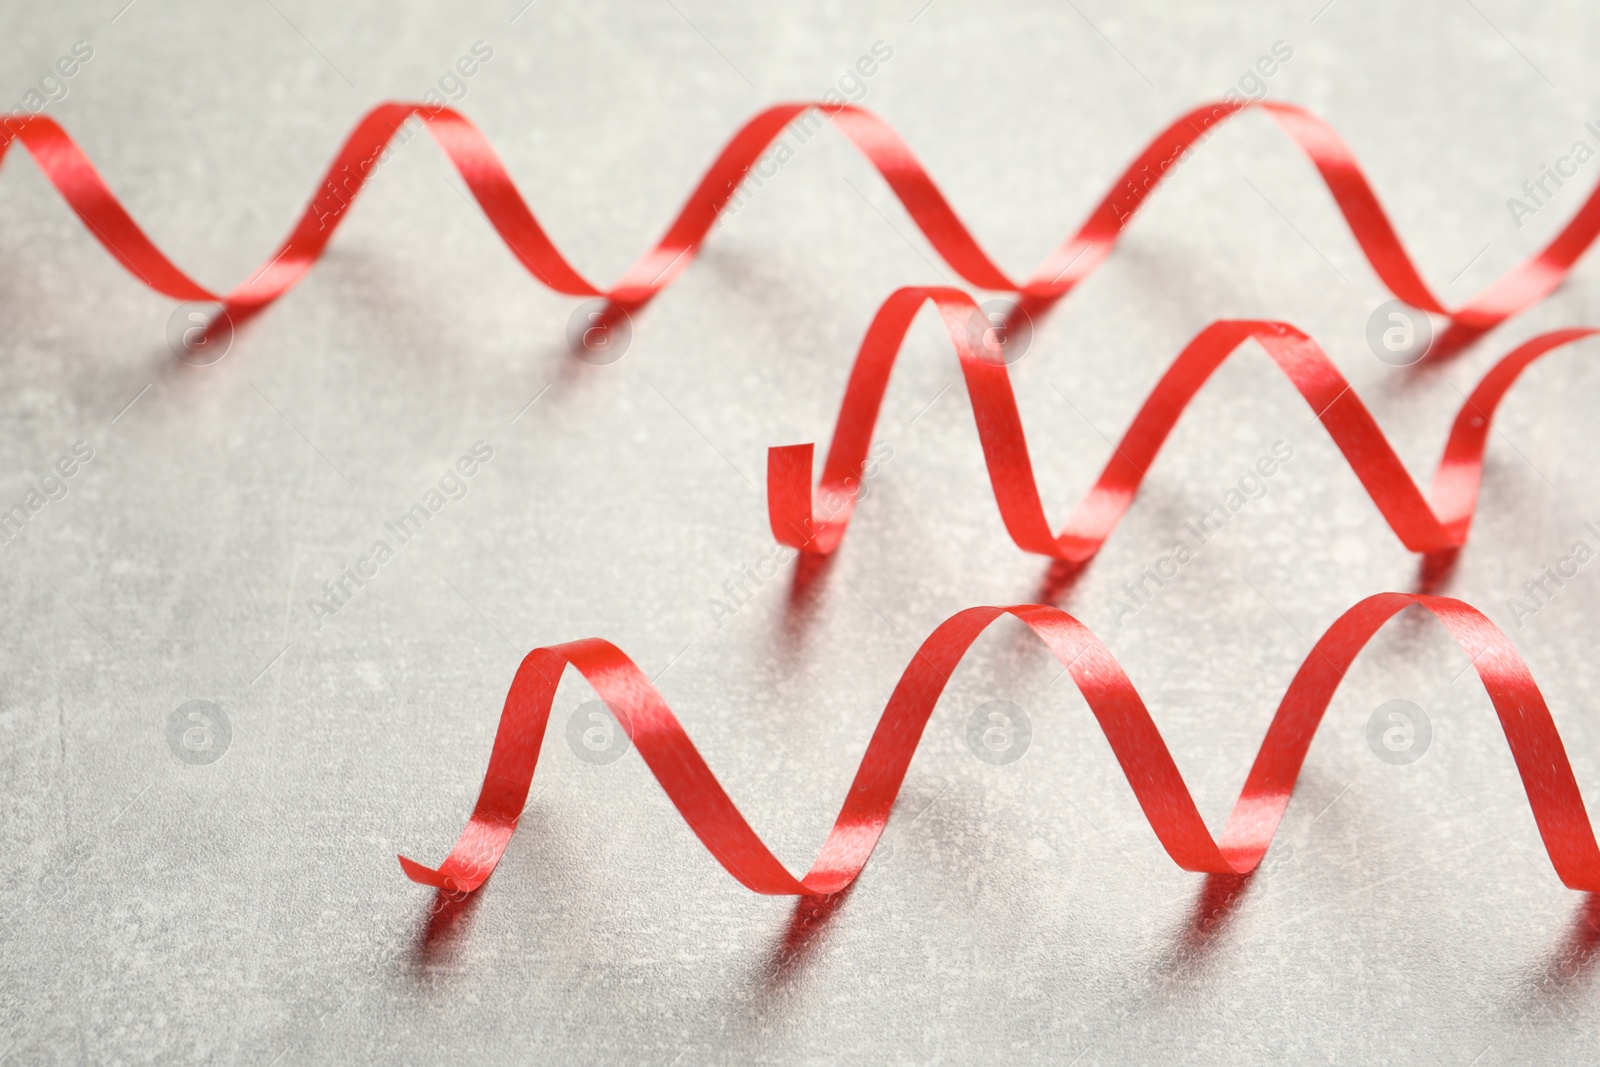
(250, 910)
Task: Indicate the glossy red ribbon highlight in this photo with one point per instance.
(1424, 523)
(70, 171)
(1535, 744)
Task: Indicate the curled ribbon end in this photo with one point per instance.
(789, 496)
(420, 874)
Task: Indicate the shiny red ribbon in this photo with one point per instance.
(1535, 744)
(1431, 523)
(70, 171)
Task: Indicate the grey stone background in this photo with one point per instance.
(249, 910)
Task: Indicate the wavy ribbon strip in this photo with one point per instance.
(70, 171)
(1431, 523)
(1535, 744)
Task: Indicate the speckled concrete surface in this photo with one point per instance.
(249, 910)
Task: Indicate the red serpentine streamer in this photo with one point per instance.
(1435, 522)
(1536, 746)
(70, 171)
